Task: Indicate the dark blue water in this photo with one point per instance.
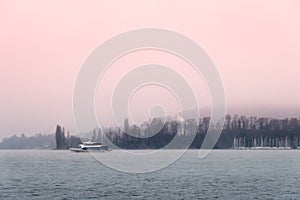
(224, 174)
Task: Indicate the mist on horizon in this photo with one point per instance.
(253, 44)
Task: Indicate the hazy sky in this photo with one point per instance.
(254, 44)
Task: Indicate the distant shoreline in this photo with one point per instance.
(246, 149)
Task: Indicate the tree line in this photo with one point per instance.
(65, 142)
(238, 131)
(58, 140)
(38, 141)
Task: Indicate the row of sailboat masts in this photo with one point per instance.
(286, 142)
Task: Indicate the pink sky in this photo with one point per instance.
(254, 44)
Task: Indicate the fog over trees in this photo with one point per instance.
(39, 141)
(58, 140)
(238, 132)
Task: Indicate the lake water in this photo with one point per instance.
(224, 174)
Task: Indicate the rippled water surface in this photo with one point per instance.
(224, 174)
